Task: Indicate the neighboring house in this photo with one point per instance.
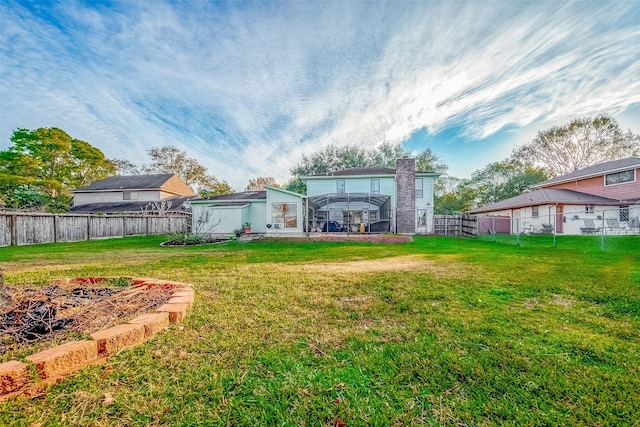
(133, 193)
(363, 199)
(376, 199)
(273, 210)
(606, 194)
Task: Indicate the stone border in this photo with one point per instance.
(49, 366)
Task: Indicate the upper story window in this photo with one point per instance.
(419, 190)
(130, 195)
(620, 177)
(375, 186)
(534, 211)
(341, 187)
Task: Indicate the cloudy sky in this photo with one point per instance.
(248, 87)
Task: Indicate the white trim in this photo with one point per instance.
(282, 190)
(635, 176)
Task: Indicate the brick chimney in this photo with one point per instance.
(406, 195)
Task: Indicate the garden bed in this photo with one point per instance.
(67, 308)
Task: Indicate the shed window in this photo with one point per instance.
(534, 211)
(419, 191)
(620, 177)
(284, 215)
(375, 186)
(341, 187)
(130, 195)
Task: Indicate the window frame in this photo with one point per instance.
(535, 211)
(419, 193)
(375, 189)
(589, 209)
(628, 181)
(290, 216)
(133, 195)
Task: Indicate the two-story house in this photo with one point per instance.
(131, 193)
(606, 194)
(352, 200)
(376, 199)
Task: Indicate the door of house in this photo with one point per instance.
(559, 218)
(421, 221)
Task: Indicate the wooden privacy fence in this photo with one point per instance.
(20, 228)
(455, 225)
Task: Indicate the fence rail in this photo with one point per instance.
(455, 225)
(20, 228)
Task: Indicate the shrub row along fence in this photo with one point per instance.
(455, 225)
(20, 228)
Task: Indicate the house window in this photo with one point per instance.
(341, 187)
(284, 215)
(534, 211)
(620, 177)
(130, 195)
(624, 213)
(422, 217)
(588, 209)
(419, 192)
(375, 186)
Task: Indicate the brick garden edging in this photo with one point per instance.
(48, 366)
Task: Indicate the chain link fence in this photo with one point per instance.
(587, 227)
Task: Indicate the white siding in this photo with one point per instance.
(113, 196)
(316, 187)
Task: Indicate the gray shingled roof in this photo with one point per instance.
(129, 182)
(546, 196)
(594, 170)
(244, 195)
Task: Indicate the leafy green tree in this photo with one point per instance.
(296, 185)
(170, 159)
(502, 180)
(453, 196)
(335, 158)
(577, 144)
(42, 167)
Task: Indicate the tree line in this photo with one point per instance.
(43, 166)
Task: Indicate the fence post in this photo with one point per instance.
(518, 231)
(14, 230)
(602, 233)
(55, 228)
(88, 227)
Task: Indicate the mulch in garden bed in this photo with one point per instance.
(41, 314)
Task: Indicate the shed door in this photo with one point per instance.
(559, 218)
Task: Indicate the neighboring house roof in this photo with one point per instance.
(128, 182)
(171, 204)
(594, 170)
(244, 195)
(359, 172)
(546, 196)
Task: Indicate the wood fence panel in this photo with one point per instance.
(135, 226)
(23, 228)
(34, 229)
(71, 228)
(5, 230)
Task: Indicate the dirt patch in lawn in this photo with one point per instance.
(409, 263)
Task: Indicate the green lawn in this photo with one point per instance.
(441, 331)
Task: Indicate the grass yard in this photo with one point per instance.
(441, 331)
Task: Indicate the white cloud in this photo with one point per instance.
(248, 88)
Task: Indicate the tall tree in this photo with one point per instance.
(170, 159)
(334, 158)
(258, 184)
(44, 165)
(577, 144)
(502, 180)
(453, 196)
